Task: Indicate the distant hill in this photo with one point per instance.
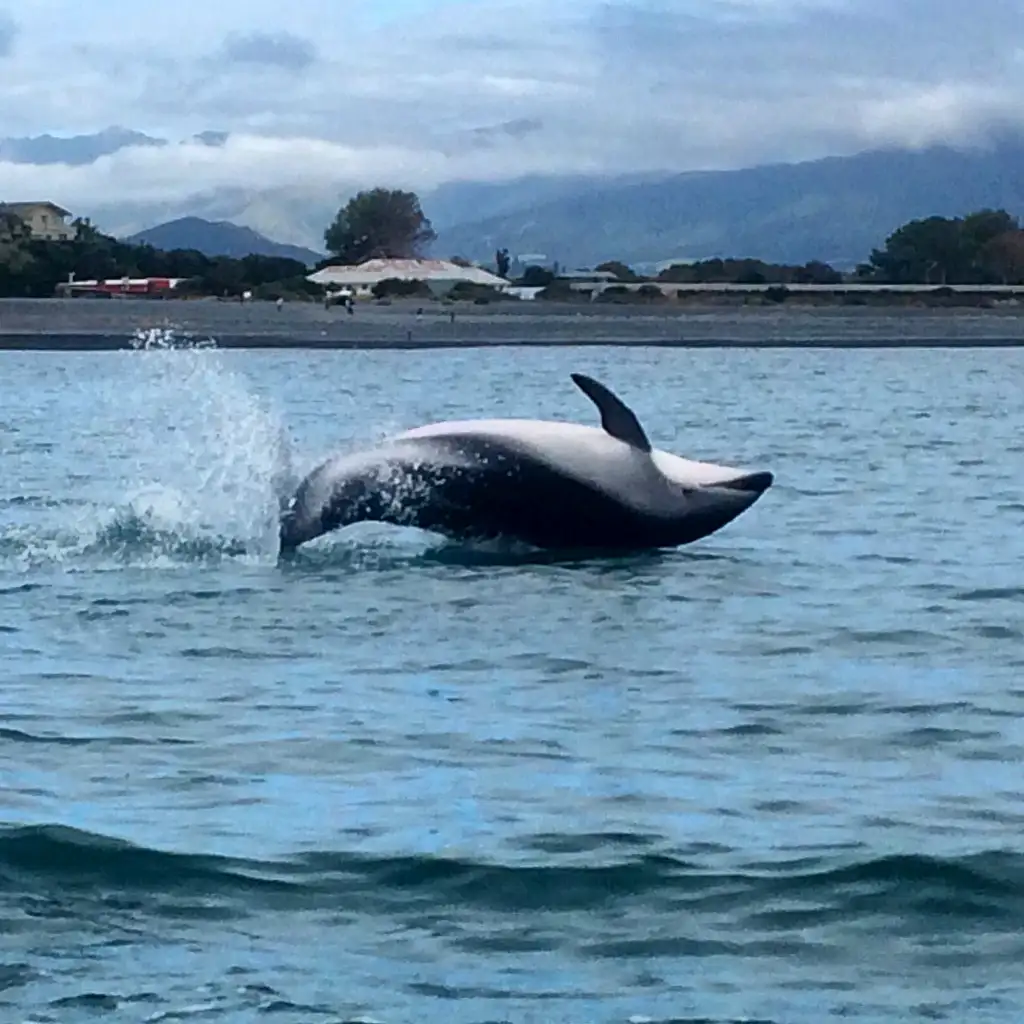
(74, 150)
(219, 238)
(293, 216)
(835, 209)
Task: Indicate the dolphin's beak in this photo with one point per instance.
(751, 483)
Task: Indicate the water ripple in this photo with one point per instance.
(771, 777)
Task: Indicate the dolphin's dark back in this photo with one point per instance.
(464, 487)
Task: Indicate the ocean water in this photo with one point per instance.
(773, 777)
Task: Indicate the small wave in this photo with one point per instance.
(71, 858)
(991, 594)
(984, 887)
(512, 555)
(19, 736)
(38, 501)
(21, 588)
(131, 536)
(373, 546)
(127, 538)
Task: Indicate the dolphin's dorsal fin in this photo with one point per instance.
(616, 417)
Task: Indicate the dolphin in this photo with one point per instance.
(549, 484)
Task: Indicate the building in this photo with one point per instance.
(147, 287)
(45, 220)
(440, 276)
(587, 278)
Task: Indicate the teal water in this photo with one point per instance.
(771, 777)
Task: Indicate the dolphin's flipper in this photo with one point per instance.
(616, 417)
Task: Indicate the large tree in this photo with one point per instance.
(379, 223)
(984, 226)
(947, 250)
(927, 251)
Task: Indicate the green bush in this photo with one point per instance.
(395, 287)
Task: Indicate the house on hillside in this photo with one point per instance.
(45, 220)
(440, 276)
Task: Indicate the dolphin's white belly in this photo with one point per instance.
(584, 453)
(590, 454)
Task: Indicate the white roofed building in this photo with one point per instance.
(439, 275)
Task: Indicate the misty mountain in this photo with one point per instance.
(299, 216)
(834, 209)
(75, 150)
(463, 202)
(218, 238)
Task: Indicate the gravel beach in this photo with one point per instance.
(68, 324)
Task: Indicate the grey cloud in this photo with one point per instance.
(644, 85)
(784, 80)
(212, 137)
(482, 43)
(8, 33)
(277, 49)
(891, 40)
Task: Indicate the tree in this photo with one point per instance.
(619, 269)
(679, 273)
(928, 251)
(400, 288)
(502, 262)
(816, 272)
(1003, 257)
(650, 291)
(13, 230)
(942, 250)
(85, 230)
(36, 266)
(536, 277)
(981, 227)
(379, 223)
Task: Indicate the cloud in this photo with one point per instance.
(418, 92)
(252, 162)
(269, 49)
(8, 33)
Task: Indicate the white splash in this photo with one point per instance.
(204, 458)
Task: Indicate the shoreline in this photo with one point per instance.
(69, 325)
(254, 342)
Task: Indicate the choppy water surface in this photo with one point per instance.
(774, 777)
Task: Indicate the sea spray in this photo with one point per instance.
(197, 465)
(207, 458)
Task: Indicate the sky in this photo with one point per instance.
(417, 92)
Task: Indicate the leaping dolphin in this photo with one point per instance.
(550, 484)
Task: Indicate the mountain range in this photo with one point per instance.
(834, 209)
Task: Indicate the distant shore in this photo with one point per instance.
(95, 325)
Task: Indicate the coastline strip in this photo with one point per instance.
(103, 342)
